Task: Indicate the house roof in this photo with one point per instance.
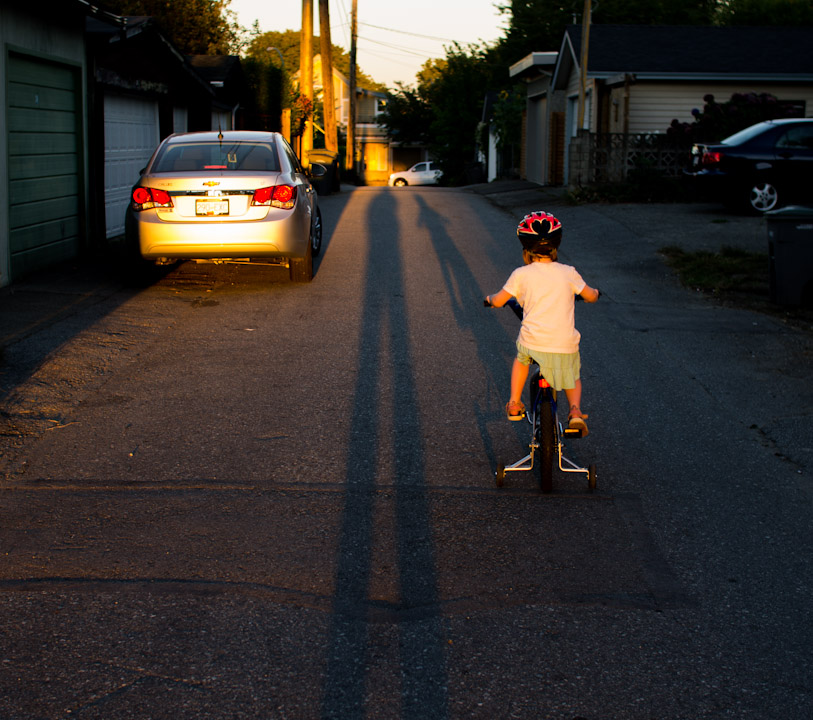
(532, 64)
(99, 13)
(690, 52)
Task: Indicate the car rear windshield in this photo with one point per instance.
(208, 156)
(746, 135)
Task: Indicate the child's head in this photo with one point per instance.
(540, 234)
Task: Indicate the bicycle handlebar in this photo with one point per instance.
(512, 303)
(517, 308)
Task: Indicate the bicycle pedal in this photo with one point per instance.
(573, 432)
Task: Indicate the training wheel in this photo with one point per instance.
(591, 477)
(499, 477)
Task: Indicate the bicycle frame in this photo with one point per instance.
(543, 400)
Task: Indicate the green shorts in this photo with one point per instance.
(561, 370)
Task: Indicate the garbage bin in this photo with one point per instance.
(330, 159)
(790, 248)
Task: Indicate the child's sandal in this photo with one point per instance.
(515, 410)
(576, 420)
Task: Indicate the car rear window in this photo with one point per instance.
(747, 134)
(207, 156)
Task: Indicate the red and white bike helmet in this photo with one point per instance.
(539, 232)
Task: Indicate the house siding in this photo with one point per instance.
(653, 106)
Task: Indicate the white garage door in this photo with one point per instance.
(130, 137)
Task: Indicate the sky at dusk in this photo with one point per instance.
(394, 38)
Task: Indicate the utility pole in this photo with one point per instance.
(583, 62)
(351, 119)
(306, 74)
(328, 101)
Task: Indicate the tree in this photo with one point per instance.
(455, 97)
(534, 25)
(655, 12)
(287, 42)
(407, 116)
(765, 12)
(431, 70)
(444, 110)
(268, 88)
(195, 27)
(538, 25)
(507, 115)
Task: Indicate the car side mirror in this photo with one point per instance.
(317, 171)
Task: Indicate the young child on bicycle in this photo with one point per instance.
(546, 290)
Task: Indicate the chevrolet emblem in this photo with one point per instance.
(211, 183)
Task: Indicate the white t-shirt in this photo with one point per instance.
(546, 291)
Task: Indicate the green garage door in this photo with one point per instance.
(44, 162)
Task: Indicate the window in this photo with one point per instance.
(798, 138)
(192, 157)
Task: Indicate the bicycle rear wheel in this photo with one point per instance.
(546, 437)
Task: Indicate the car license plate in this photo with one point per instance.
(212, 206)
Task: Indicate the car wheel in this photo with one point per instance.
(400, 182)
(763, 197)
(316, 234)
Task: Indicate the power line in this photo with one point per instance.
(393, 47)
(388, 58)
(404, 32)
(345, 25)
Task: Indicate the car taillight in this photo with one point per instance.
(262, 196)
(711, 158)
(281, 196)
(147, 198)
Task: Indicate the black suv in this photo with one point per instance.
(760, 168)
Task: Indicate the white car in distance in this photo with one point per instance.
(422, 173)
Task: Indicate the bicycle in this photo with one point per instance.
(547, 433)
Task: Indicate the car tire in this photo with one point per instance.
(763, 197)
(400, 182)
(316, 235)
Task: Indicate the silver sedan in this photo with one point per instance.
(237, 196)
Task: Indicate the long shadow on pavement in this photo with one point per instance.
(385, 335)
